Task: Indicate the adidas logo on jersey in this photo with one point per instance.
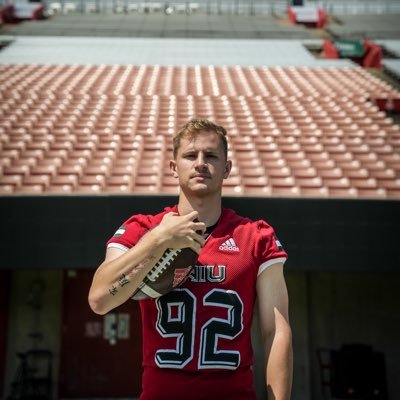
(229, 245)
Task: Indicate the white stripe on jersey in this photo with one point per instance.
(118, 246)
(268, 263)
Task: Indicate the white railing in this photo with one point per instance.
(252, 7)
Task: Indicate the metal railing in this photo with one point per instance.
(250, 7)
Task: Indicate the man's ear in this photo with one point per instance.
(172, 167)
(228, 167)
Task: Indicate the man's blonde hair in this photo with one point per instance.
(193, 127)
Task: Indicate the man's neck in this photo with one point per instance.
(209, 208)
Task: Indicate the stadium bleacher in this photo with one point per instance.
(294, 131)
(89, 101)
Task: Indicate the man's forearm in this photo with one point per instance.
(115, 281)
(124, 286)
(279, 370)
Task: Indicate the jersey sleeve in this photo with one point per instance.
(268, 248)
(128, 234)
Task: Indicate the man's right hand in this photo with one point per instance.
(180, 231)
(174, 231)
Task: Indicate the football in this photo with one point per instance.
(171, 271)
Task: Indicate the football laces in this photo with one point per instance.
(162, 264)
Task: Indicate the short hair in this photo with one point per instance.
(193, 127)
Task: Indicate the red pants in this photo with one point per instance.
(172, 384)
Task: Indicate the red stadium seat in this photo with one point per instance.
(60, 189)
(48, 170)
(146, 184)
(7, 155)
(119, 184)
(72, 169)
(88, 189)
(6, 189)
(14, 181)
(22, 170)
(308, 126)
(282, 191)
(30, 189)
(64, 180)
(37, 180)
(314, 191)
(342, 192)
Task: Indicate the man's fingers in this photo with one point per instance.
(195, 247)
(192, 215)
(199, 227)
(170, 214)
(184, 228)
(199, 239)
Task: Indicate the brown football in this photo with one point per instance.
(171, 271)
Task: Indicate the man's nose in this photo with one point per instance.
(200, 160)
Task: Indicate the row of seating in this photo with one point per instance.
(258, 186)
(195, 80)
(294, 148)
(53, 140)
(146, 170)
(323, 111)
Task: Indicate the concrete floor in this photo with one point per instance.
(198, 25)
(72, 50)
(369, 26)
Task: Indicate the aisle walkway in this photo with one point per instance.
(71, 50)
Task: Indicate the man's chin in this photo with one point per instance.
(199, 189)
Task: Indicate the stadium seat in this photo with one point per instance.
(169, 185)
(308, 191)
(44, 169)
(30, 189)
(330, 172)
(367, 183)
(308, 182)
(20, 170)
(92, 181)
(10, 182)
(336, 183)
(283, 191)
(119, 184)
(13, 154)
(64, 180)
(37, 180)
(381, 173)
(342, 192)
(233, 185)
(28, 162)
(146, 184)
(6, 189)
(101, 169)
(309, 125)
(372, 193)
(19, 145)
(360, 173)
(392, 186)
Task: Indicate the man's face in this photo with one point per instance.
(200, 164)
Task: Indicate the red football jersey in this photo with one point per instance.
(205, 325)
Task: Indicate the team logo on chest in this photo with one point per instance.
(208, 273)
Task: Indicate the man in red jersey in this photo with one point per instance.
(196, 339)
